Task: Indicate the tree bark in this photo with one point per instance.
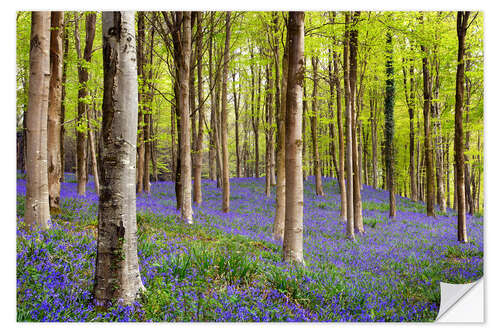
(63, 94)
(225, 151)
(356, 167)
(462, 18)
(236, 100)
(197, 197)
(54, 112)
(429, 163)
(348, 112)
(140, 123)
(117, 276)
(83, 77)
(314, 129)
(389, 125)
(293, 237)
(341, 181)
(36, 209)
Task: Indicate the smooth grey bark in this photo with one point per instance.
(36, 209)
(117, 276)
(293, 237)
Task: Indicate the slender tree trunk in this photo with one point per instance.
(279, 219)
(148, 116)
(356, 168)
(197, 197)
(225, 151)
(173, 126)
(410, 101)
(255, 119)
(92, 151)
(36, 209)
(341, 181)
(462, 18)
(373, 120)
(236, 100)
(429, 164)
(54, 112)
(63, 95)
(314, 129)
(211, 162)
(348, 112)
(268, 129)
(140, 127)
(83, 77)
(293, 236)
(389, 125)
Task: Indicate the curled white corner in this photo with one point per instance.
(461, 302)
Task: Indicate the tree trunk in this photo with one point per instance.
(83, 77)
(197, 196)
(236, 100)
(429, 163)
(348, 112)
(225, 151)
(314, 129)
(140, 123)
(63, 95)
(293, 236)
(356, 168)
(373, 121)
(341, 181)
(54, 112)
(268, 129)
(36, 209)
(389, 125)
(117, 275)
(462, 18)
(184, 23)
(279, 219)
(92, 151)
(148, 116)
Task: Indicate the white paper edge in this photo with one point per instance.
(462, 303)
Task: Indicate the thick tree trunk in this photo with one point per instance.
(429, 164)
(348, 112)
(83, 77)
(279, 219)
(225, 150)
(117, 276)
(54, 112)
(36, 209)
(462, 18)
(293, 237)
(314, 129)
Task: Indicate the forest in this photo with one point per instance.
(247, 166)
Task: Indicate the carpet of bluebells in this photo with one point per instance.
(227, 267)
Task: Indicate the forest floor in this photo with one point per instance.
(227, 267)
